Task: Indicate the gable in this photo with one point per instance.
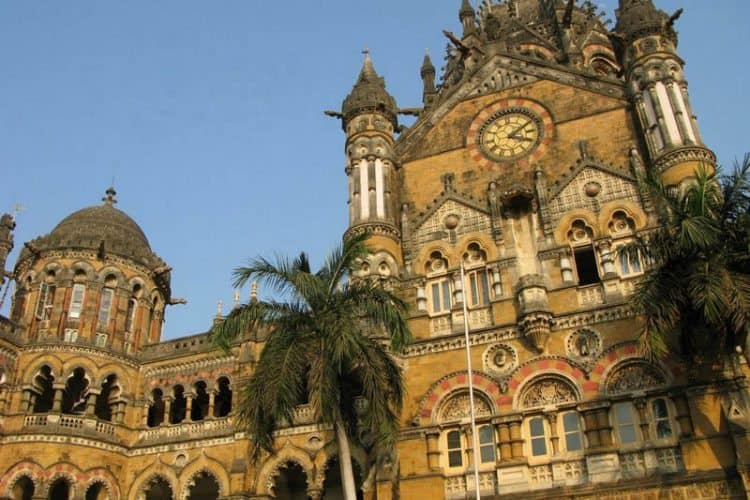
(437, 225)
(590, 188)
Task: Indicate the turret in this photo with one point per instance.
(369, 115)
(467, 16)
(7, 225)
(659, 91)
(428, 80)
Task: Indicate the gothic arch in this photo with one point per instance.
(484, 242)
(566, 223)
(90, 369)
(271, 469)
(630, 208)
(552, 365)
(208, 465)
(156, 470)
(67, 472)
(113, 271)
(438, 391)
(635, 374)
(35, 365)
(547, 389)
(454, 406)
(106, 479)
(330, 451)
(425, 255)
(124, 379)
(32, 470)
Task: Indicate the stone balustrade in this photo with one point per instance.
(55, 423)
(187, 430)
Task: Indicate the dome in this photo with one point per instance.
(100, 228)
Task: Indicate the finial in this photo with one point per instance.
(236, 297)
(110, 199)
(219, 309)
(254, 292)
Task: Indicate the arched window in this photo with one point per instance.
(291, 483)
(439, 286)
(76, 300)
(23, 489)
(44, 393)
(223, 399)
(105, 307)
(159, 489)
(625, 419)
(76, 393)
(204, 487)
(581, 237)
(478, 284)
(177, 411)
(46, 300)
(457, 409)
(97, 491)
(59, 490)
(107, 398)
(156, 409)
(130, 315)
(199, 410)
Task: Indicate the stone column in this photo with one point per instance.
(211, 403)
(605, 429)
(57, 402)
(167, 411)
(189, 397)
(658, 110)
(91, 402)
(27, 401)
(591, 429)
(469, 437)
(642, 407)
(119, 415)
(504, 450)
(675, 99)
(433, 449)
(554, 438)
(683, 416)
(144, 418)
(516, 439)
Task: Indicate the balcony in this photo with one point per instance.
(54, 423)
(187, 431)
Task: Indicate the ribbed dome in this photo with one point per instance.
(101, 228)
(369, 94)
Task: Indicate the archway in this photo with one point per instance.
(179, 405)
(205, 487)
(110, 391)
(60, 490)
(333, 487)
(76, 393)
(23, 489)
(291, 483)
(156, 408)
(159, 489)
(199, 411)
(45, 393)
(223, 401)
(97, 491)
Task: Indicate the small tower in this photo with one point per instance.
(658, 90)
(467, 16)
(427, 71)
(369, 115)
(7, 225)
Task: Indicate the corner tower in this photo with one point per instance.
(658, 89)
(370, 118)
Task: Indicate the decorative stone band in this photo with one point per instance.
(688, 155)
(379, 229)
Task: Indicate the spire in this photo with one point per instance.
(369, 94)
(639, 18)
(110, 199)
(7, 225)
(467, 16)
(428, 79)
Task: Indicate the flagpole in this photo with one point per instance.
(474, 436)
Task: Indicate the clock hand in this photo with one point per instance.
(521, 138)
(516, 131)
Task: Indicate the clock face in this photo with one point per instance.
(510, 134)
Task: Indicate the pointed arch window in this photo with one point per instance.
(105, 307)
(130, 316)
(46, 301)
(76, 301)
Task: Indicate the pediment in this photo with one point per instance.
(438, 222)
(589, 185)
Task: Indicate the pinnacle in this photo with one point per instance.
(368, 73)
(110, 199)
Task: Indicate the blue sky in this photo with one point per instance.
(209, 116)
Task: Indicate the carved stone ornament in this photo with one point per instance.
(457, 407)
(584, 344)
(634, 376)
(547, 391)
(500, 359)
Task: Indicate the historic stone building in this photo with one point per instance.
(521, 165)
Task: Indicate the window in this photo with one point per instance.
(486, 444)
(441, 296)
(105, 306)
(479, 288)
(46, 301)
(454, 449)
(586, 266)
(100, 340)
(629, 264)
(76, 302)
(130, 316)
(538, 436)
(625, 422)
(662, 422)
(572, 431)
(70, 335)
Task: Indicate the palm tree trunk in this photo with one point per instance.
(345, 462)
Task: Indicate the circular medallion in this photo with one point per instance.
(510, 134)
(509, 131)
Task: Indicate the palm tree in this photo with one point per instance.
(329, 339)
(696, 298)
